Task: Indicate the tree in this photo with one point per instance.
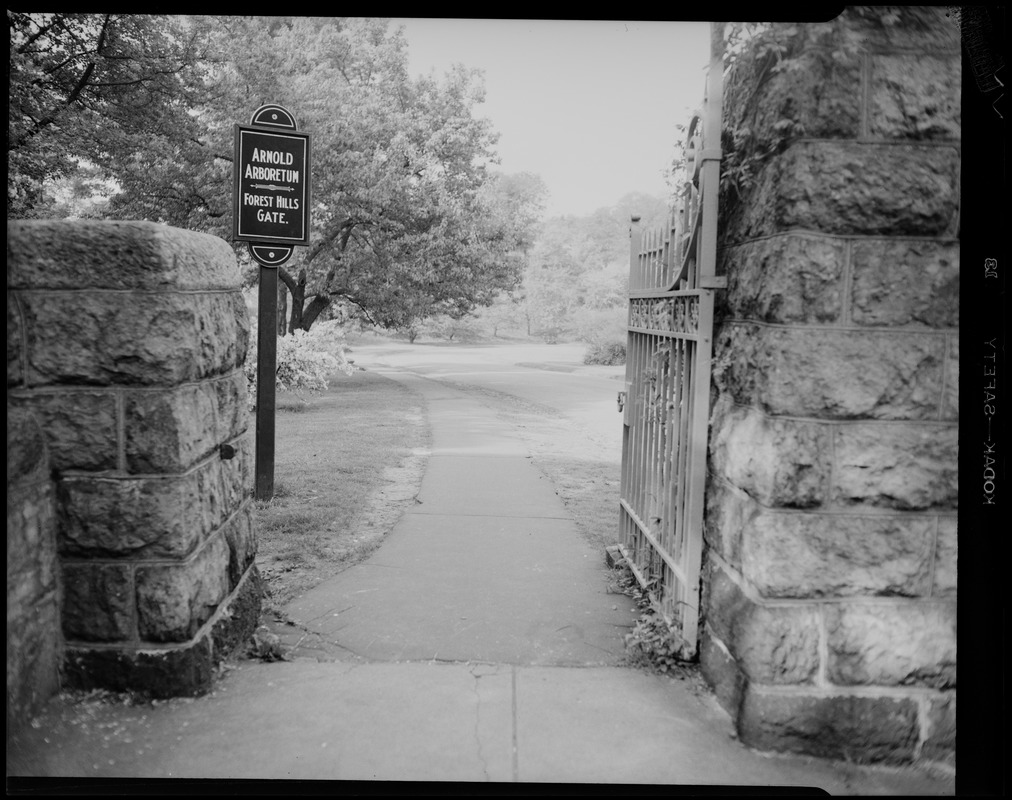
(92, 87)
(408, 218)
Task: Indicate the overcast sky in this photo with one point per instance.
(590, 106)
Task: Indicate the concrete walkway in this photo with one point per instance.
(478, 643)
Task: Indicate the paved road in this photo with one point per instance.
(550, 375)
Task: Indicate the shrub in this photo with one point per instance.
(305, 359)
(610, 354)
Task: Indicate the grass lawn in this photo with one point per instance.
(347, 462)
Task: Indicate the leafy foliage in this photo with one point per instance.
(409, 217)
(651, 643)
(306, 360)
(611, 354)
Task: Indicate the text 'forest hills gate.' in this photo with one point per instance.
(666, 402)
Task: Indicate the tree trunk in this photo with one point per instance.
(298, 290)
(316, 307)
(282, 308)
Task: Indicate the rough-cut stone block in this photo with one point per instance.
(98, 602)
(31, 534)
(76, 254)
(950, 396)
(940, 739)
(15, 358)
(906, 282)
(862, 729)
(81, 428)
(892, 644)
(778, 462)
(232, 408)
(174, 600)
(182, 672)
(27, 453)
(170, 431)
(915, 96)
(240, 616)
(784, 279)
(137, 518)
(726, 516)
(908, 466)
(34, 653)
(930, 29)
(144, 339)
(721, 672)
(772, 644)
(854, 189)
(831, 374)
(946, 554)
(821, 97)
(240, 534)
(805, 555)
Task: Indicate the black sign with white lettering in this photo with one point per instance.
(272, 191)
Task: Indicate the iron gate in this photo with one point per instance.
(666, 400)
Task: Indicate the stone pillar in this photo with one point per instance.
(126, 341)
(34, 644)
(829, 586)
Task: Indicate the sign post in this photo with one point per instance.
(270, 211)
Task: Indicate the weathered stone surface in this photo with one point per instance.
(834, 374)
(721, 672)
(930, 29)
(144, 339)
(906, 466)
(236, 625)
(80, 425)
(138, 518)
(232, 407)
(915, 96)
(946, 555)
(240, 534)
(173, 601)
(15, 358)
(726, 516)
(34, 653)
(940, 740)
(784, 279)
(821, 96)
(772, 644)
(863, 729)
(31, 539)
(76, 254)
(906, 282)
(181, 672)
(855, 189)
(806, 555)
(98, 602)
(27, 454)
(170, 431)
(950, 396)
(892, 644)
(33, 657)
(778, 462)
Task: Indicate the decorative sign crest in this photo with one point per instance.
(272, 194)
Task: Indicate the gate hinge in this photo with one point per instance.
(621, 401)
(713, 282)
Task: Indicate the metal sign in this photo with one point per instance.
(272, 187)
(270, 211)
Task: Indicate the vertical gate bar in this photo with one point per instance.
(709, 179)
(671, 444)
(697, 464)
